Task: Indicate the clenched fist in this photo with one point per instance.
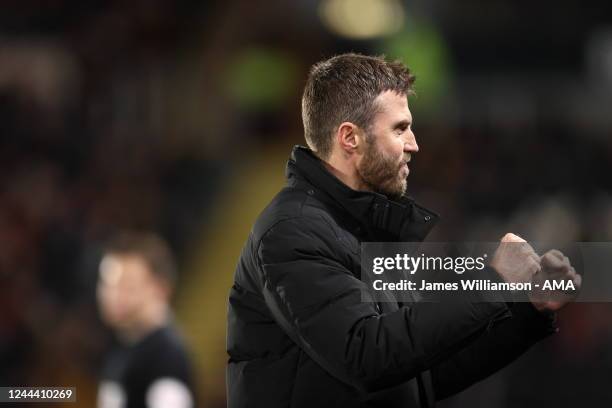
(515, 260)
(555, 267)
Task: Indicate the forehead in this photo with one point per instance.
(118, 268)
(391, 105)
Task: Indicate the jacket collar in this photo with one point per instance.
(384, 219)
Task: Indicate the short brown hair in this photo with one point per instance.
(153, 250)
(343, 89)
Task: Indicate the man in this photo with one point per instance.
(299, 333)
(151, 367)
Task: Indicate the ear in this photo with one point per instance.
(349, 137)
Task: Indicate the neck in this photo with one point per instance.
(345, 171)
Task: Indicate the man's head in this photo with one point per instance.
(355, 113)
(135, 281)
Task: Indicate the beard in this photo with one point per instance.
(381, 172)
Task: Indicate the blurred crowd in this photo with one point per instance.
(134, 115)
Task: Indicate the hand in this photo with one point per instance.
(555, 267)
(515, 260)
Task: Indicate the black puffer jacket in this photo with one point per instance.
(299, 334)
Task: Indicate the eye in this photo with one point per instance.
(401, 128)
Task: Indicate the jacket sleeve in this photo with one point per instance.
(493, 349)
(330, 314)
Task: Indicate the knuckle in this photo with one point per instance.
(532, 265)
(578, 280)
(556, 252)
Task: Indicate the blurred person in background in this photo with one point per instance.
(150, 367)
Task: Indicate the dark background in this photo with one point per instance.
(178, 116)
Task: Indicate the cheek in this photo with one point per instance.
(110, 305)
(392, 140)
(387, 142)
(119, 301)
(394, 149)
(399, 145)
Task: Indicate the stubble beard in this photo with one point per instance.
(380, 172)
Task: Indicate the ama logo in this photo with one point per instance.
(559, 285)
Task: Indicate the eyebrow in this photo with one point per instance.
(402, 124)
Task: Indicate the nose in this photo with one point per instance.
(411, 146)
